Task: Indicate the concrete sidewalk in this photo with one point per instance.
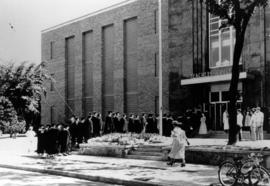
(115, 170)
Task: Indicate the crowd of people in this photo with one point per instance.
(53, 140)
(252, 119)
(60, 139)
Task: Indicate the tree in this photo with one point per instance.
(236, 13)
(8, 118)
(24, 86)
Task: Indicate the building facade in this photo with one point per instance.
(108, 60)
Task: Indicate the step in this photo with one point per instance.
(148, 150)
(142, 153)
(154, 158)
(151, 146)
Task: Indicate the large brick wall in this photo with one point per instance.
(147, 47)
(178, 56)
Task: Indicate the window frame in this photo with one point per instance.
(52, 48)
(220, 32)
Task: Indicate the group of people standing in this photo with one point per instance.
(252, 119)
(81, 129)
(53, 140)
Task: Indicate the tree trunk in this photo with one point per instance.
(232, 110)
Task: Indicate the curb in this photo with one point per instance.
(82, 176)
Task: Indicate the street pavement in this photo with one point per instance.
(120, 171)
(14, 153)
(11, 177)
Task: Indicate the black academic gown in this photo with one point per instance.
(63, 141)
(96, 126)
(108, 125)
(40, 142)
(150, 127)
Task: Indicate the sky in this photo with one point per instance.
(21, 22)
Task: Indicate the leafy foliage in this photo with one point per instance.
(7, 112)
(8, 117)
(23, 86)
(21, 89)
(235, 12)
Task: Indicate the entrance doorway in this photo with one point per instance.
(219, 101)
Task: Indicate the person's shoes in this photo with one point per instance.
(171, 163)
(183, 165)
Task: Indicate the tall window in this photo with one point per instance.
(156, 21)
(221, 43)
(70, 75)
(52, 48)
(88, 54)
(52, 111)
(131, 65)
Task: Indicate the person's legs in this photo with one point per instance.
(240, 134)
(171, 162)
(183, 164)
(253, 133)
(257, 133)
(260, 133)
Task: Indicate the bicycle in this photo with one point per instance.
(244, 171)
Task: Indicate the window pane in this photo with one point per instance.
(225, 49)
(214, 26)
(240, 95)
(214, 51)
(214, 96)
(225, 96)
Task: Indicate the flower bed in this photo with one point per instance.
(129, 139)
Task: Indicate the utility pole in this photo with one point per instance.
(160, 66)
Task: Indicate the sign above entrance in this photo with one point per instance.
(212, 79)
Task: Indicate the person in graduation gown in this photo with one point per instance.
(63, 139)
(41, 141)
(54, 135)
(124, 123)
(88, 128)
(108, 123)
(46, 139)
(73, 130)
(116, 122)
(96, 124)
(81, 130)
(164, 124)
(168, 127)
(137, 124)
(101, 124)
(131, 123)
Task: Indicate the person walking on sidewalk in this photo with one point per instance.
(178, 145)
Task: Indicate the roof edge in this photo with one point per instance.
(126, 2)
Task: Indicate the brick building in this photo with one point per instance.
(108, 60)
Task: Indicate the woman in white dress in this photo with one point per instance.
(225, 121)
(203, 128)
(31, 138)
(178, 145)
